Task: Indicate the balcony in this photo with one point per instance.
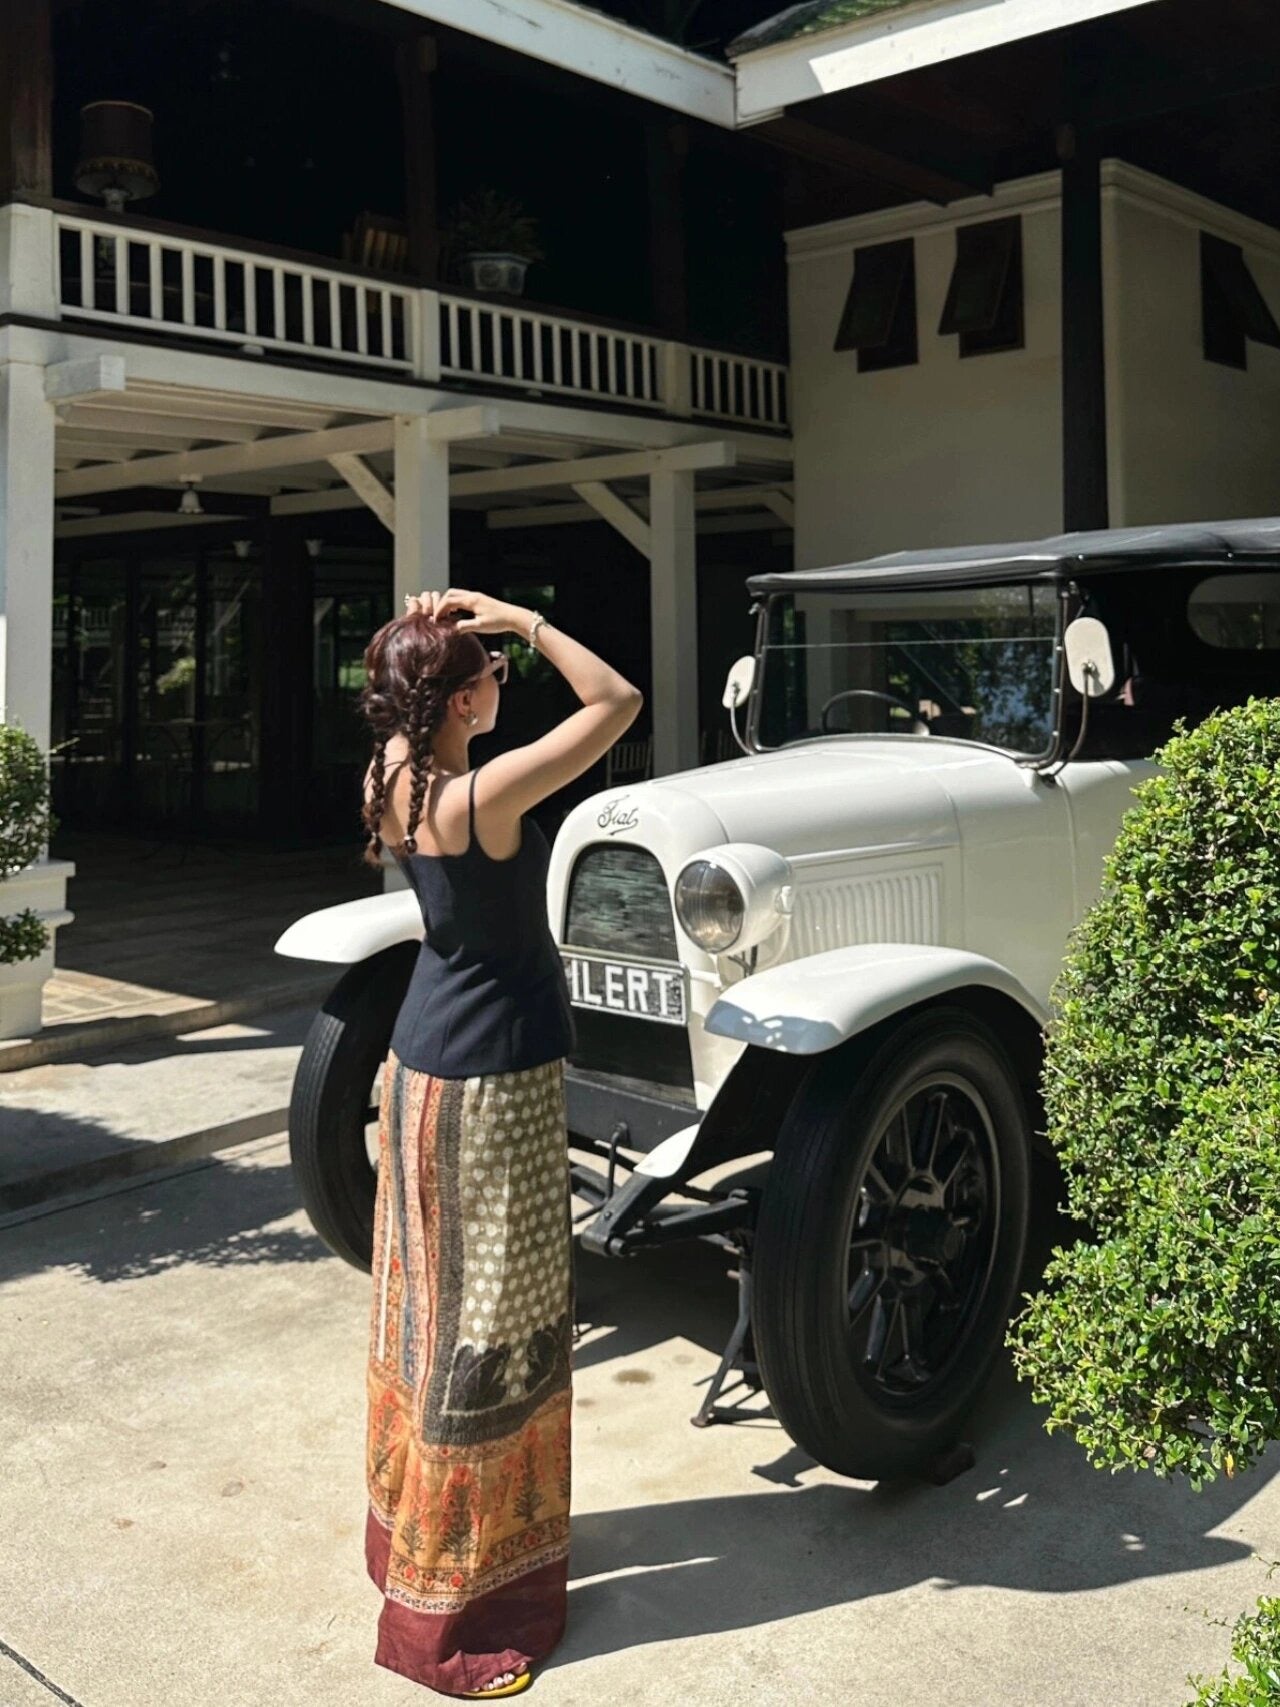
(259, 302)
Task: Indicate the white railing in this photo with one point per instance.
(165, 282)
(179, 284)
(738, 388)
(547, 352)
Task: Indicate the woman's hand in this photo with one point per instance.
(479, 612)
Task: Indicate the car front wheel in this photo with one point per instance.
(890, 1240)
(333, 1110)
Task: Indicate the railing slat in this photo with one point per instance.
(335, 316)
(362, 320)
(220, 292)
(385, 305)
(188, 261)
(278, 327)
(87, 293)
(250, 273)
(308, 312)
(155, 281)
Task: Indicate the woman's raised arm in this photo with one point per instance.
(518, 779)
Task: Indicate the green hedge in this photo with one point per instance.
(26, 824)
(1158, 1343)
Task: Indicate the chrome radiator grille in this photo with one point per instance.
(618, 904)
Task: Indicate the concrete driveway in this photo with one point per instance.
(181, 1428)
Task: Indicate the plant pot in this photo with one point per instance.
(497, 270)
(42, 887)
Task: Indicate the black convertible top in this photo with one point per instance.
(1061, 557)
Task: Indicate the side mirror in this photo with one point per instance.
(738, 683)
(1090, 662)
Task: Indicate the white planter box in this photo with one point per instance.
(43, 888)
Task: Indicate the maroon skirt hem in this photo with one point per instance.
(452, 1652)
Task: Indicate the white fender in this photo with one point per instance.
(806, 1006)
(353, 930)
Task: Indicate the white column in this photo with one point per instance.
(422, 510)
(673, 595)
(26, 549)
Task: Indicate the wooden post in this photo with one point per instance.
(673, 596)
(667, 148)
(26, 549)
(415, 61)
(1084, 392)
(26, 99)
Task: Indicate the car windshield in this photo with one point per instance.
(972, 662)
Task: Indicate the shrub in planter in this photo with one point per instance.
(26, 824)
(1158, 1344)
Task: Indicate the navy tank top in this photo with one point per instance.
(488, 992)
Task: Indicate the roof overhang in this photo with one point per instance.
(586, 42)
(894, 41)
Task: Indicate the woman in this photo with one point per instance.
(467, 1458)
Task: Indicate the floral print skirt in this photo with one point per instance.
(467, 1459)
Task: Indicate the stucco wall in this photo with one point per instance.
(1188, 439)
(949, 450)
(954, 451)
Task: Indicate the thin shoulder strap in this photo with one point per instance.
(471, 807)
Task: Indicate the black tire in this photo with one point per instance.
(330, 1105)
(881, 1295)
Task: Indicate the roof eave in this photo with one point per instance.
(590, 44)
(908, 38)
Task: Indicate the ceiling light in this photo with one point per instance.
(189, 504)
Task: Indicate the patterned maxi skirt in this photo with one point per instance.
(467, 1460)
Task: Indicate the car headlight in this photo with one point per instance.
(732, 897)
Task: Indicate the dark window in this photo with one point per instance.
(879, 319)
(1232, 308)
(984, 299)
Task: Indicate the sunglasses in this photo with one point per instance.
(498, 667)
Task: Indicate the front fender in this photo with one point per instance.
(805, 1007)
(353, 930)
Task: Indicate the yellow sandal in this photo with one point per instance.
(523, 1680)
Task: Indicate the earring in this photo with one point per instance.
(472, 717)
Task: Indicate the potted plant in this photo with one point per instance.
(493, 241)
(32, 887)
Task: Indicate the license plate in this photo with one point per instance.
(646, 989)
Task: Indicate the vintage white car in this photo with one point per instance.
(837, 952)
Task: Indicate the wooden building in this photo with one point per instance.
(881, 272)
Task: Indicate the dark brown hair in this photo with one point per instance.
(412, 666)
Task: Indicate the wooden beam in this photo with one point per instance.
(91, 376)
(26, 100)
(284, 450)
(366, 485)
(625, 466)
(416, 60)
(153, 429)
(617, 512)
(1084, 396)
(861, 160)
(782, 506)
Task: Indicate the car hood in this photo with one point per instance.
(860, 793)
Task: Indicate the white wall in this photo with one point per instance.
(1187, 439)
(948, 451)
(952, 451)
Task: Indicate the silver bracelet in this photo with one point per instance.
(534, 626)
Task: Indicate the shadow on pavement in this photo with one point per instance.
(1033, 1515)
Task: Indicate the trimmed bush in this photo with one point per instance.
(1158, 1345)
(26, 824)
(1255, 1648)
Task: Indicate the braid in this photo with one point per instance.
(420, 720)
(376, 804)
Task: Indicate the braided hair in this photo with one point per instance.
(413, 665)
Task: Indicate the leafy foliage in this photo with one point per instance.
(1158, 1345)
(1255, 1648)
(489, 222)
(26, 823)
